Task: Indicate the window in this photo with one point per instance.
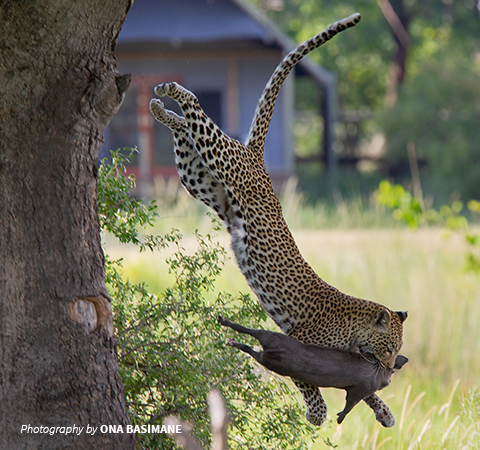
(135, 126)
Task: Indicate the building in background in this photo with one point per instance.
(222, 50)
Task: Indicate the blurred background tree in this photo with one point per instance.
(408, 76)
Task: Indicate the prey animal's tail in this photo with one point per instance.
(264, 111)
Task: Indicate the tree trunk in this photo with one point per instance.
(59, 88)
(397, 16)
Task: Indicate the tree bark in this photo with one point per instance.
(59, 88)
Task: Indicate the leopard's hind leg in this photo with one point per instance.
(196, 179)
(381, 410)
(227, 162)
(316, 412)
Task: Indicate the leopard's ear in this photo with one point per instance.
(400, 361)
(402, 315)
(382, 321)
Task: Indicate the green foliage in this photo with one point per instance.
(171, 349)
(359, 57)
(362, 56)
(408, 209)
(438, 106)
(439, 111)
(118, 212)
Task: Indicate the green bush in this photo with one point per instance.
(410, 210)
(171, 350)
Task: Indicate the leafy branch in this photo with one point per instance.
(408, 209)
(172, 351)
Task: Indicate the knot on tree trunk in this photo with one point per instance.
(105, 95)
(93, 311)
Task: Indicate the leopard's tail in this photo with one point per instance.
(264, 111)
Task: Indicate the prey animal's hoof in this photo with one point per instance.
(221, 320)
(231, 342)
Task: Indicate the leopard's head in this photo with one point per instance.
(385, 333)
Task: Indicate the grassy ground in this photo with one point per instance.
(434, 398)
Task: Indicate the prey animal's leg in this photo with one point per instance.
(351, 400)
(316, 407)
(239, 328)
(244, 348)
(196, 179)
(381, 410)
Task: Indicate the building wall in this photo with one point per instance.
(240, 78)
(254, 73)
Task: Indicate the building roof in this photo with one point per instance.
(178, 23)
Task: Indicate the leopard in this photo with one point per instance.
(230, 177)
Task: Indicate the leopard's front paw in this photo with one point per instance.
(157, 108)
(385, 417)
(164, 89)
(316, 418)
(165, 116)
(175, 91)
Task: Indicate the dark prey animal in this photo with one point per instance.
(318, 366)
